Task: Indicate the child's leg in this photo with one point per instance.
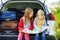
(43, 36)
(20, 36)
(26, 36)
(36, 37)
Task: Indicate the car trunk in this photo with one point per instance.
(8, 29)
(18, 7)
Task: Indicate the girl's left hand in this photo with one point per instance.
(26, 29)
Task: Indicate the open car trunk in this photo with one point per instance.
(9, 27)
(18, 7)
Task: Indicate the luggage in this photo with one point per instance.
(8, 15)
(9, 25)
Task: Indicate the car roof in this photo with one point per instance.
(40, 3)
(29, 0)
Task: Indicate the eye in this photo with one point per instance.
(42, 14)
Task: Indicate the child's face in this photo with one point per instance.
(31, 14)
(40, 15)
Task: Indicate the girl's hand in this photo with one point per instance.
(20, 30)
(25, 30)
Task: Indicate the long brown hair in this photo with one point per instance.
(27, 11)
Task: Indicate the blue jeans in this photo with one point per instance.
(42, 35)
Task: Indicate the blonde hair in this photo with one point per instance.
(43, 20)
(27, 11)
(40, 11)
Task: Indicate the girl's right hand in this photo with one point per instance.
(20, 31)
(23, 31)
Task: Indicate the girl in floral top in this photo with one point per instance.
(40, 24)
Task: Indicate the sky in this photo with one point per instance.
(51, 1)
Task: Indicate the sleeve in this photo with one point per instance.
(35, 24)
(32, 25)
(20, 24)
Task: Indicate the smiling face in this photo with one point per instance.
(31, 15)
(28, 13)
(40, 15)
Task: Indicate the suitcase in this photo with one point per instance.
(9, 25)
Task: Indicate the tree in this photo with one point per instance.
(56, 11)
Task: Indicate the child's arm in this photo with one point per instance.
(20, 25)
